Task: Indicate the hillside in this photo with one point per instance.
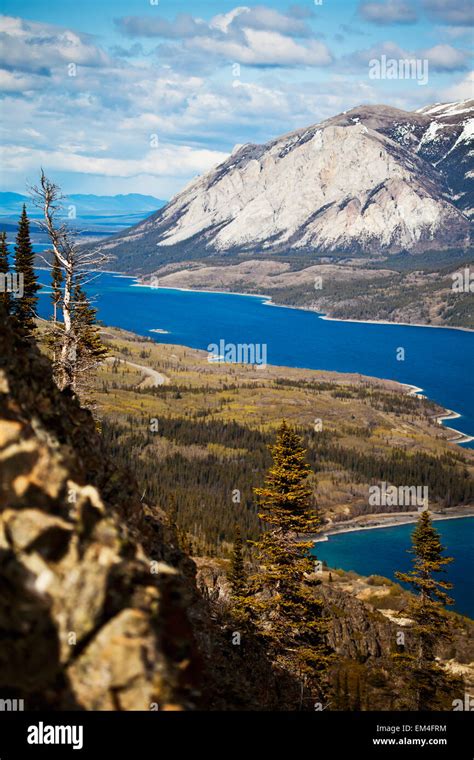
(100, 608)
(213, 423)
(404, 288)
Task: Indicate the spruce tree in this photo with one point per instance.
(89, 351)
(25, 307)
(56, 292)
(429, 686)
(5, 296)
(237, 576)
(55, 332)
(283, 603)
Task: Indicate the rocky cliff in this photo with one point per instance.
(88, 620)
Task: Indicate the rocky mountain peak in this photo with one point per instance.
(373, 179)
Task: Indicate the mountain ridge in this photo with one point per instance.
(370, 180)
(86, 203)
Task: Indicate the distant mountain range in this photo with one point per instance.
(372, 180)
(87, 205)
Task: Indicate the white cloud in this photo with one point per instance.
(263, 48)
(389, 12)
(257, 36)
(167, 161)
(441, 58)
(455, 12)
(186, 26)
(445, 58)
(223, 21)
(463, 90)
(11, 81)
(38, 47)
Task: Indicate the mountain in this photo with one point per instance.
(87, 205)
(370, 180)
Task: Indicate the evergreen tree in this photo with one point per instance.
(89, 351)
(56, 282)
(25, 307)
(55, 332)
(284, 605)
(237, 575)
(285, 499)
(5, 296)
(429, 687)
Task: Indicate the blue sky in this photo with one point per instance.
(117, 96)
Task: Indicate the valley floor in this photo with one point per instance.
(197, 433)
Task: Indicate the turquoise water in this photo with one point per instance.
(437, 360)
(383, 550)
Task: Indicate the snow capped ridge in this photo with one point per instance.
(448, 109)
(374, 178)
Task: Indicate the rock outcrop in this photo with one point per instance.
(88, 620)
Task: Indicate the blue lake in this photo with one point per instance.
(441, 361)
(383, 550)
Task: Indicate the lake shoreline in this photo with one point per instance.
(448, 414)
(392, 520)
(268, 301)
(459, 437)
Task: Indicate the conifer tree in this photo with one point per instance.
(56, 293)
(25, 307)
(5, 296)
(172, 512)
(54, 333)
(237, 576)
(89, 349)
(429, 687)
(283, 603)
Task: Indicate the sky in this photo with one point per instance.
(140, 96)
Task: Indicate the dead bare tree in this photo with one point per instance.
(79, 266)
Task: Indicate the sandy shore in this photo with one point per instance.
(140, 284)
(390, 520)
(448, 414)
(401, 324)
